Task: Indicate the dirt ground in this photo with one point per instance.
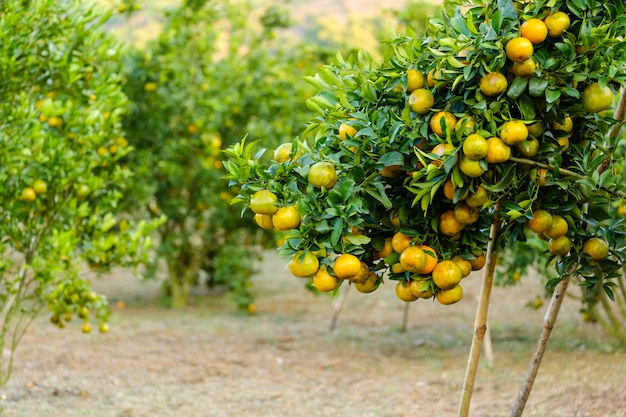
(211, 361)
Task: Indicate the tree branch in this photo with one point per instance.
(564, 171)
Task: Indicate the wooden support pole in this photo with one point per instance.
(480, 323)
(535, 361)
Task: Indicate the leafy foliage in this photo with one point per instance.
(391, 168)
(61, 144)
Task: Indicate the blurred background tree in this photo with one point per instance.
(218, 72)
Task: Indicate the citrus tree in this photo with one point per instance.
(493, 127)
(211, 78)
(60, 146)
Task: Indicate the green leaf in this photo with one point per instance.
(337, 231)
(517, 87)
(552, 95)
(536, 86)
(380, 195)
(357, 240)
(527, 107)
(392, 158)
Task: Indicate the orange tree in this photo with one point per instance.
(211, 77)
(495, 119)
(60, 145)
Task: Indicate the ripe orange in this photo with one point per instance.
(535, 30)
(304, 264)
(386, 250)
(528, 148)
(415, 80)
(403, 291)
(325, 282)
(478, 198)
(282, 152)
(421, 288)
(478, 262)
(86, 327)
(535, 130)
(596, 248)
(621, 210)
(431, 260)
(563, 142)
(470, 167)
(391, 171)
(412, 259)
(465, 214)
(400, 242)
(524, 68)
(498, 151)
(448, 225)
(40, 186)
(475, 147)
(557, 23)
(448, 191)
(542, 177)
(559, 227)
(566, 126)
(450, 296)
(493, 84)
(421, 100)
(541, 221)
(362, 275)
(322, 174)
(447, 274)
(369, 285)
(519, 49)
(464, 265)
(264, 202)
(449, 122)
(29, 195)
(435, 77)
(597, 99)
(560, 246)
(103, 328)
(513, 132)
(467, 124)
(346, 131)
(286, 218)
(346, 266)
(441, 150)
(264, 221)
(397, 268)
(55, 121)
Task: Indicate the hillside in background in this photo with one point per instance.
(335, 23)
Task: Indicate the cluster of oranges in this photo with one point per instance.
(413, 159)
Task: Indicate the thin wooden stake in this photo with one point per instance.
(533, 366)
(488, 346)
(405, 318)
(338, 306)
(480, 323)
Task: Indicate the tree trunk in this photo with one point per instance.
(180, 292)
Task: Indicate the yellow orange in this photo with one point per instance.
(448, 225)
(449, 122)
(346, 266)
(447, 274)
(431, 260)
(535, 30)
(519, 49)
(412, 259)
